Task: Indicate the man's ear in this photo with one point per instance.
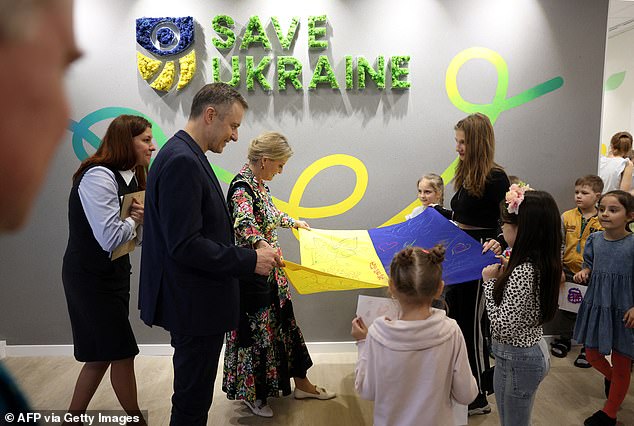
(210, 114)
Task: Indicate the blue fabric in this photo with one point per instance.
(464, 260)
(517, 375)
(609, 296)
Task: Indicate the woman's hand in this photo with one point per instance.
(582, 276)
(301, 224)
(136, 211)
(492, 245)
(628, 319)
(492, 271)
(359, 330)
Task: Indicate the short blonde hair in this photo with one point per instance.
(272, 145)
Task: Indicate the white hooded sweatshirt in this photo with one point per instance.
(412, 370)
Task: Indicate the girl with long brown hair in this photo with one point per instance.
(480, 185)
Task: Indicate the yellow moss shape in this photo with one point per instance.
(147, 66)
(165, 80)
(188, 68)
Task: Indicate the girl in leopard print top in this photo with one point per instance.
(520, 297)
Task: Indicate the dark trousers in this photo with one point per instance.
(466, 305)
(195, 365)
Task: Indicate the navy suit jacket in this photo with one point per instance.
(189, 262)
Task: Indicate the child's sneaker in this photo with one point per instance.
(581, 360)
(560, 348)
(480, 405)
(599, 419)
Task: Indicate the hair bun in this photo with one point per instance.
(436, 254)
(405, 256)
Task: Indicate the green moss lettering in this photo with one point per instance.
(314, 32)
(235, 71)
(284, 74)
(224, 30)
(349, 69)
(398, 70)
(255, 33)
(378, 75)
(323, 74)
(255, 73)
(285, 41)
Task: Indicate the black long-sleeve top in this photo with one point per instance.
(482, 212)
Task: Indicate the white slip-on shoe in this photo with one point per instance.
(259, 409)
(323, 394)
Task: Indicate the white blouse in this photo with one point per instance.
(99, 196)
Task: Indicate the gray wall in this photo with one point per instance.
(398, 135)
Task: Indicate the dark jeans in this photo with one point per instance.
(195, 365)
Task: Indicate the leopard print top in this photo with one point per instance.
(515, 321)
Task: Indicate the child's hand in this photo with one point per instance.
(359, 330)
(503, 260)
(492, 271)
(582, 276)
(492, 245)
(628, 319)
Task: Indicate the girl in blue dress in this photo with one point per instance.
(606, 317)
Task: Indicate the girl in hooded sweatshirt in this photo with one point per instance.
(414, 365)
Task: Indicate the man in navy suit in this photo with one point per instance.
(189, 264)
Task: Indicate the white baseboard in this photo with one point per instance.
(163, 349)
(150, 349)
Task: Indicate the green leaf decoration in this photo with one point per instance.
(614, 81)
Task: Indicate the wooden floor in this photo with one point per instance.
(566, 397)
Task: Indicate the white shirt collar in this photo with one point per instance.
(127, 175)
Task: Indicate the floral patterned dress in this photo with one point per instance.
(268, 348)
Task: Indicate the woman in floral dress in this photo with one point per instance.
(268, 348)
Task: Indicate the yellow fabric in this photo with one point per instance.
(336, 260)
(573, 258)
(309, 281)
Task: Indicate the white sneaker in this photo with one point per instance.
(259, 408)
